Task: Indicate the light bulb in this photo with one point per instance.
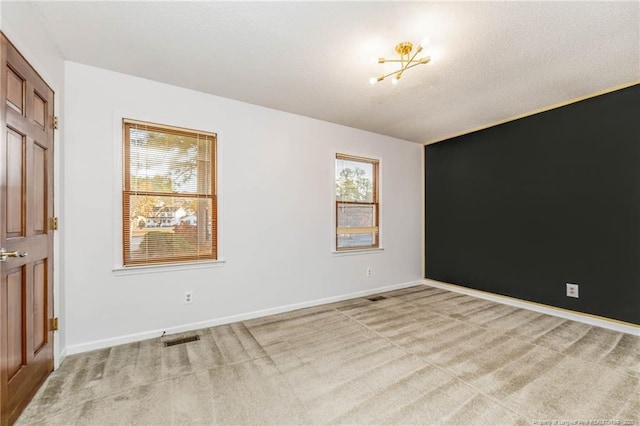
(373, 80)
(394, 80)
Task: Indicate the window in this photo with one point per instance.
(357, 209)
(169, 211)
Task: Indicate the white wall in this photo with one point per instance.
(21, 25)
(276, 189)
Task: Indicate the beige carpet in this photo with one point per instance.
(421, 356)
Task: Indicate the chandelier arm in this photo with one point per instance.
(416, 64)
(401, 70)
(414, 55)
(405, 65)
(391, 73)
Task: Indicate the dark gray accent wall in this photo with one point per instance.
(524, 207)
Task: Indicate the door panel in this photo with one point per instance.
(39, 312)
(15, 179)
(15, 90)
(39, 189)
(39, 110)
(15, 291)
(26, 204)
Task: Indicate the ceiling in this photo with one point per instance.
(492, 60)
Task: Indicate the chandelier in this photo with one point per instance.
(407, 60)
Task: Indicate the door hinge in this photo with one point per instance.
(54, 122)
(54, 324)
(53, 223)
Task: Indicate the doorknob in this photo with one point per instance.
(6, 254)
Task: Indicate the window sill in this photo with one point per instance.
(356, 252)
(152, 269)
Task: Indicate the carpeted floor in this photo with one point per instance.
(420, 356)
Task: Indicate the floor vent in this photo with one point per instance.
(376, 298)
(181, 341)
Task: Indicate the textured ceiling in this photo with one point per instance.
(492, 60)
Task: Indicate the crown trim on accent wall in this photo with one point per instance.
(537, 111)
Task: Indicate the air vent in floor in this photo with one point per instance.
(181, 340)
(376, 298)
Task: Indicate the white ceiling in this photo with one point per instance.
(492, 60)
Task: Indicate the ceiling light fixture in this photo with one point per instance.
(407, 60)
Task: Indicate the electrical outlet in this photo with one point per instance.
(572, 290)
(188, 297)
(369, 272)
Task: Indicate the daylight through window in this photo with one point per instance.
(169, 194)
(357, 209)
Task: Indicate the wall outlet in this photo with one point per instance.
(572, 290)
(188, 297)
(369, 272)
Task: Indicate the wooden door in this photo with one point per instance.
(26, 204)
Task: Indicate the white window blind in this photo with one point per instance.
(169, 211)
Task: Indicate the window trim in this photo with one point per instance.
(125, 192)
(375, 162)
(166, 267)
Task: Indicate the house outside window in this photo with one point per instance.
(169, 209)
(357, 206)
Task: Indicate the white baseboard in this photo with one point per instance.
(603, 322)
(130, 338)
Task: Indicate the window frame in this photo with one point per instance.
(375, 229)
(127, 192)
